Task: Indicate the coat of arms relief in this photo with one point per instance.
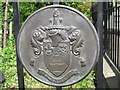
(56, 43)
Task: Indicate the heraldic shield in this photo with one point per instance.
(58, 45)
(56, 59)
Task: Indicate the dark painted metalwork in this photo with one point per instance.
(118, 40)
(111, 37)
(113, 33)
(16, 28)
(58, 88)
(115, 54)
(57, 49)
(100, 33)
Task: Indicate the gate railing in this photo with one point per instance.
(111, 22)
(111, 34)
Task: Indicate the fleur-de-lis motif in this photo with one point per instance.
(49, 49)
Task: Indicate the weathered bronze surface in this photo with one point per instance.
(58, 45)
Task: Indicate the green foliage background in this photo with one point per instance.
(8, 56)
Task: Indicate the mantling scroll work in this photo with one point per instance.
(55, 42)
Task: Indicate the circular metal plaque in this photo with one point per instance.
(58, 45)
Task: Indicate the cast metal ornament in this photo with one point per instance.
(58, 45)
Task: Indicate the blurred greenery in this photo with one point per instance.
(8, 60)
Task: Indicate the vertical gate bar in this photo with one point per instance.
(105, 26)
(118, 40)
(111, 33)
(113, 39)
(116, 35)
(100, 32)
(58, 88)
(17, 28)
(107, 19)
(109, 51)
(118, 58)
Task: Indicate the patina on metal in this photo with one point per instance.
(58, 45)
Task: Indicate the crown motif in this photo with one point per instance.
(56, 22)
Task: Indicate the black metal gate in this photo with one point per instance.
(111, 34)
